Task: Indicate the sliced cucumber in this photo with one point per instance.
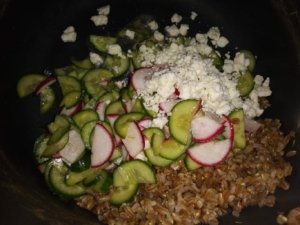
(93, 81)
(123, 194)
(117, 65)
(56, 147)
(76, 177)
(121, 124)
(157, 160)
(83, 63)
(83, 163)
(245, 83)
(57, 175)
(181, 119)
(102, 182)
(116, 154)
(84, 117)
(86, 133)
(68, 84)
(190, 164)
(77, 73)
(60, 121)
(133, 171)
(71, 99)
(170, 149)
(115, 107)
(47, 99)
(40, 146)
(237, 119)
(58, 134)
(28, 83)
(101, 42)
(138, 106)
(157, 141)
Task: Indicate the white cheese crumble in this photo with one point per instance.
(184, 29)
(195, 77)
(193, 15)
(153, 25)
(104, 10)
(160, 121)
(176, 18)
(69, 34)
(95, 59)
(130, 34)
(173, 30)
(115, 49)
(158, 36)
(100, 20)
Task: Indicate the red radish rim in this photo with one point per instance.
(73, 110)
(211, 137)
(111, 151)
(101, 113)
(43, 84)
(142, 141)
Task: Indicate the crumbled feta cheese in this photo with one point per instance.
(213, 33)
(104, 10)
(201, 38)
(115, 49)
(158, 36)
(193, 15)
(130, 34)
(172, 30)
(96, 59)
(222, 42)
(100, 20)
(184, 29)
(153, 25)
(120, 84)
(240, 62)
(160, 121)
(69, 34)
(176, 18)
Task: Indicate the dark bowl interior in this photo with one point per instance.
(30, 42)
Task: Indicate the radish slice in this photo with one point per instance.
(145, 123)
(45, 83)
(175, 95)
(102, 146)
(125, 155)
(166, 107)
(139, 76)
(251, 125)
(74, 149)
(111, 119)
(210, 153)
(100, 109)
(205, 129)
(128, 106)
(134, 141)
(229, 131)
(73, 110)
(141, 156)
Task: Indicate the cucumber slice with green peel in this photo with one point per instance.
(58, 134)
(47, 99)
(156, 142)
(237, 119)
(115, 107)
(190, 164)
(102, 183)
(133, 171)
(117, 65)
(57, 146)
(245, 83)
(157, 160)
(94, 81)
(252, 61)
(86, 133)
(83, 63)
(181, 119)
(116, 154)
(84, 117)
(121, 124)
(68, 84)
(94, 177)
(171, 149)
(57, 176)
(40, 146)
(73, 178)
(82, 164)
(123, 194)
(71, 99)
(28, 83)
(149, 132)
(101, 42)
(138, 106)
(60, 121)
(77, 73)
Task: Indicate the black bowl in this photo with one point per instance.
(30, 42)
